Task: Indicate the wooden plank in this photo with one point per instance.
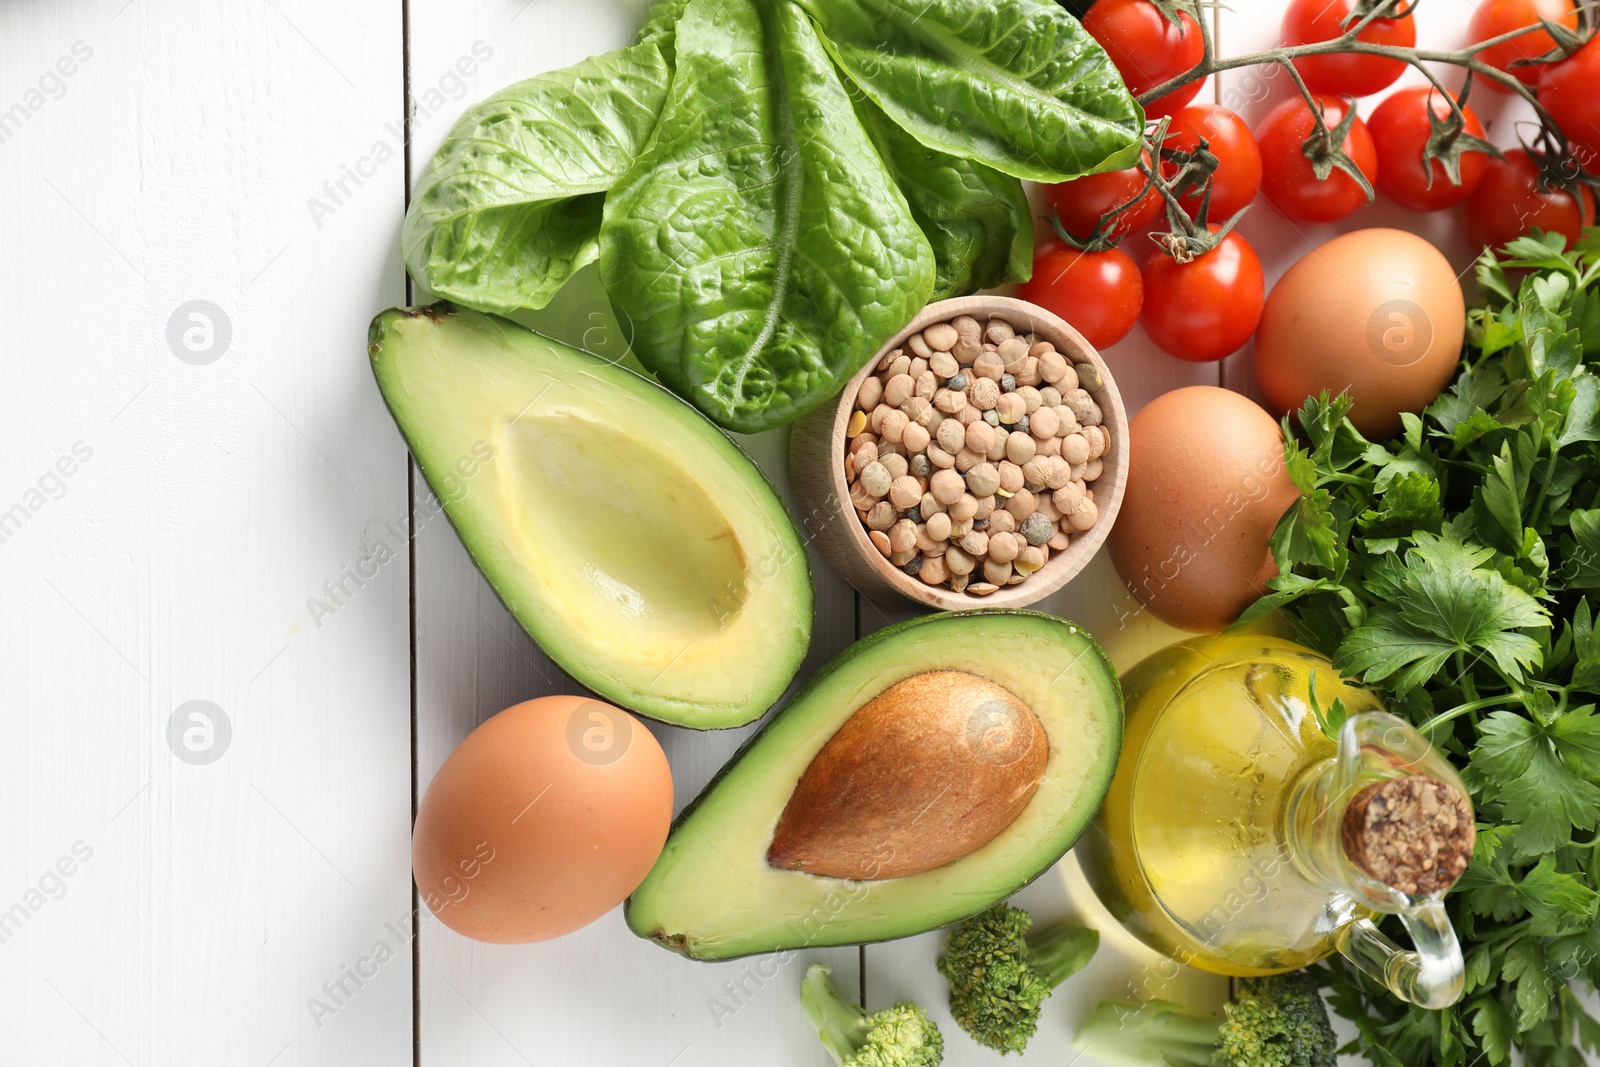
(225, 459)
(600, 995)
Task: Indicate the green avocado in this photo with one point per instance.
(713, 895)
(631, 538)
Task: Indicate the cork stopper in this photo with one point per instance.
(1413, 834)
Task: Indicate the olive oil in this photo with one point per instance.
(1191, 850)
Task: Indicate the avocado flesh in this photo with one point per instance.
(632, 539)
(712, 895)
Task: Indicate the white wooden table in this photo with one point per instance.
(227, 669)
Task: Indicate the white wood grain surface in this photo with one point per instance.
(207, 903)
(234, 529)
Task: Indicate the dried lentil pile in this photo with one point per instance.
(972, 453)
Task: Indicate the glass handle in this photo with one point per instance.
(1431, 977)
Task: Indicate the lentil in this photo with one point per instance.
(941, 336)
(990, 366)
(1036, 529)
(875, 479)
(905, 492)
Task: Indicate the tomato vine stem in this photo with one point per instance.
(1349, 44)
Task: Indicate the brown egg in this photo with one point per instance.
(545, 818)
(1206, 488)
(1377, 312)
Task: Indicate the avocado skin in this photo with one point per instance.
(685, 946)
(379, 331)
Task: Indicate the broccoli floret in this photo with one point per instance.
(901, 1036)
(1275, 1022)
(999, 977)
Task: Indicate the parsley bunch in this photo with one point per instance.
(1456, 571)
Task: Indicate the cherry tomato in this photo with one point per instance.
(1311, 21)
(1572, 94)
(1400, 130)
(1147, 49)
(1287, 177)
(1515, 196)
(1238, 175)
(1099, 293)
(1083, 201)
(1208, 308)
(1495, 17)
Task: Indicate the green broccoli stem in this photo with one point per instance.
(841, 1024)
(1191, 1039)
(1123, 1033)
(1189, 1036)
(1061, 951)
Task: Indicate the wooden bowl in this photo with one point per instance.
(816, 470)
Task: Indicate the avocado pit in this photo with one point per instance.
(928, 771)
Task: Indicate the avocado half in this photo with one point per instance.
(713, 895)
(631, 538)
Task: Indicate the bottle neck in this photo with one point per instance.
(1386, 840)
(1312, 815)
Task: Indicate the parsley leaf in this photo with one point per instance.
(1559, 902)
(1524, 966)
(1523, 766)
(1445, 603)
(1412, 502)
(1492, 1023)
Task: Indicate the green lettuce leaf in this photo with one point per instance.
(510, 206)
(659, 19)
(976, 218)
(758, 243)
(1018, 85)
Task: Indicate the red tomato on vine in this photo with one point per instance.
(1571, 93)
(1082, 202)
(1516, 195)
(1237, 178)
(1495, 17)
(1350, 74)
(1401, 130)
(1289, 178)
(1205, 309)
(1099, 293)
(1147, 49)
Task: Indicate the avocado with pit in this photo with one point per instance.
(631, 538)
(929, 772)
